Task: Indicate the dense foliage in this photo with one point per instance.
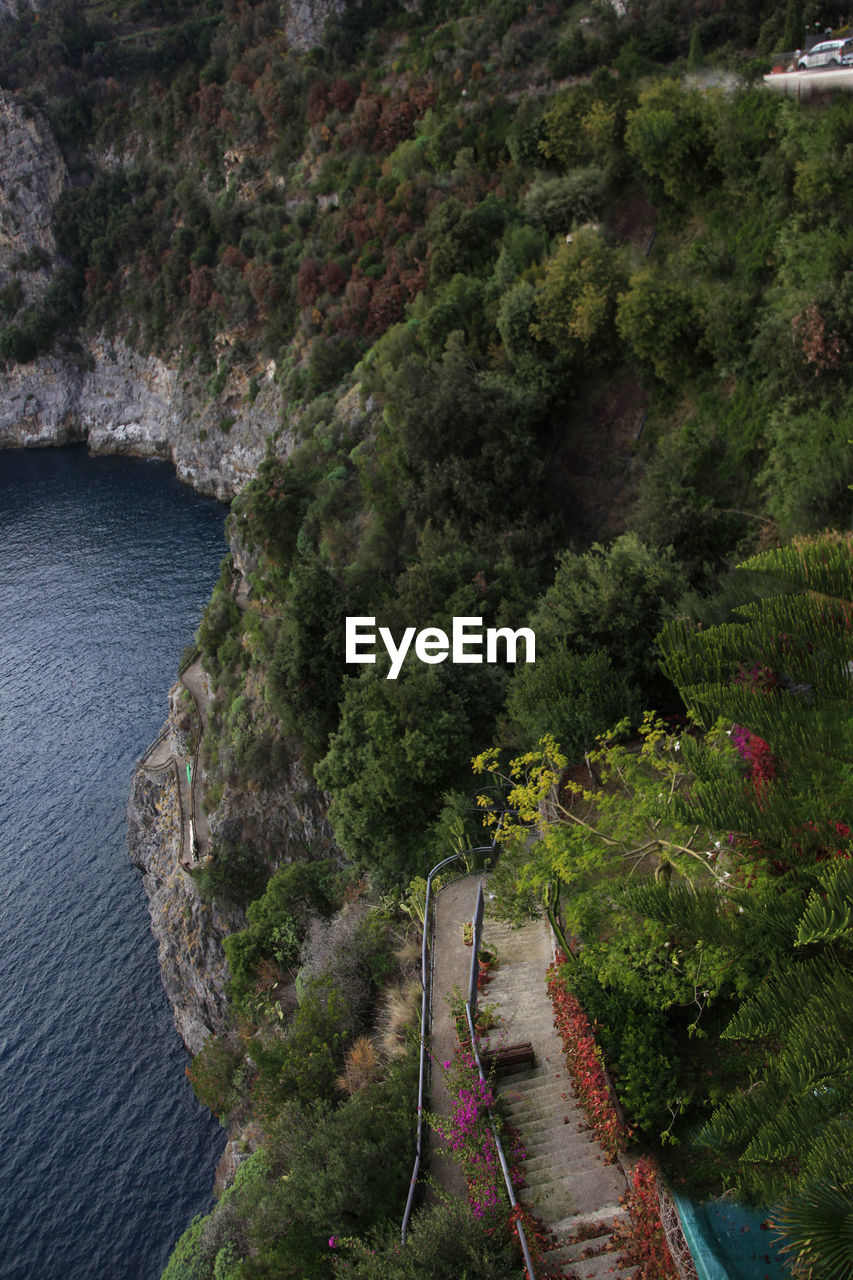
(559, 301)
(739, 933)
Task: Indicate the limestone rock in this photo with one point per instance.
(305, 20)
(120, 401)
(32, 176)
(189, 932)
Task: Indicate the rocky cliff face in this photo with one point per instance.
(304, 20)
(111, 396)
(286, 822)
(119, 401)
(32, 175)
(189, 932)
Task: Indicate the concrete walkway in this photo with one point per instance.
(161, 756)
(570, 1185)
(454, 905)
(195, 679)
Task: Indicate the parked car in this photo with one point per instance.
(829, 53)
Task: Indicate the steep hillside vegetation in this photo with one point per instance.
(560, 303)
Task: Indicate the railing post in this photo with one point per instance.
(426, 996)
(470, 1014)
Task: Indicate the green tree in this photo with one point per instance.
(400, 745)
(670, 134)
(612, 598)
(576, 301)
(659, 320)
(574, 697)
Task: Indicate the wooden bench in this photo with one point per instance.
(509, 1057)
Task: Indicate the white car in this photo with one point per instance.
(829, 53)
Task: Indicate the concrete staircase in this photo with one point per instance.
(570, 1187)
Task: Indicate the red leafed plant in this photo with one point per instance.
(643, 1236)
(583, 1058)
(757, 754)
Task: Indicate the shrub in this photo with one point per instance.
(279, 920)
(643, 1236)
(613, 598)
(445, 1242)
(573, 696)
(188, 1260)
(585, 1068)
(671, 135)
(211, 1073)
(808, 469)
(305, 1060)
(557, 204)
(400, 744)
(678, 502)
(236, 873)
(577, 299)
(658, 319)
(459, 306)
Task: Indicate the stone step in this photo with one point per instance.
(571, 1142)
(574, 1147)
(555, 1168)
(601, 1218)
(553, 1171)
(542, 1076)
(547, 1122)
(547, 1103)
(578, 1199)
(602, 1267)
(567, 1178)
(605, 1246)
(544, 1135)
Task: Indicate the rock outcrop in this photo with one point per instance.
(189, 932)
(33, 176)
(120, 401)
(287, 822)
(305, 19)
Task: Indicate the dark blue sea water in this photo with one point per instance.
(104, 567)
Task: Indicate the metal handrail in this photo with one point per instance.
(426, 1003)
(522, 1237)
(426, 1006)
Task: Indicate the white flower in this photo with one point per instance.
(676, 746)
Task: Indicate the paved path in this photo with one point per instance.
(453, 906)
(161, 756)
(195, 680)
(570, 1185)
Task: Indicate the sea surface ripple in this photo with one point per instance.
(106, 1155)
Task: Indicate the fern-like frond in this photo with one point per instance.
(726, 804)
(780, 1000)
(831, 1153)
(782, 1135)
(828, 916)
(800, 730)
(823, 564)
(701, 911)
(734, 1123)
